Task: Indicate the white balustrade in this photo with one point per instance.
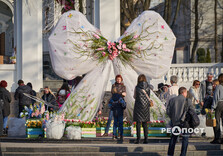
(187, 73)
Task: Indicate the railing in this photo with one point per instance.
(187, 73)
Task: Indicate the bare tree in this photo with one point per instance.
(130, 9)
(215, 31)
(167, 11)
(196, 39)
(176, 13)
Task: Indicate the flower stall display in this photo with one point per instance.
(96, 128)
(34, 128)
(154, 129)
(36, 117)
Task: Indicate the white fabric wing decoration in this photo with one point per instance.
(77, 47)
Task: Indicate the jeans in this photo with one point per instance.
(218, 115)
(5, 121)
(172, 144)
(118, 122)
(145, 130)
(109, 121)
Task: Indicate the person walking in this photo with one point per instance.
(19, 95)
(121, 89)
(175, 111)
(141, 112)
(49, 97)
(5, 96)
(217, 106)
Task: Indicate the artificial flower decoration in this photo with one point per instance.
(87, 51)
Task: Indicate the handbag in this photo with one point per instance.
(211, 122)
(151, 101)
(189, 117)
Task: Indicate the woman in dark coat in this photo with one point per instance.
(6, 98)
(141, 112)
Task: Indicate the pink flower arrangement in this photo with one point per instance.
(105, 49)
(103, 53)
(157, 123)
(111, 57)
(96, 36)
(135, 36)
(99, 49)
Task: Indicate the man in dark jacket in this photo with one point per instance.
(175, 111)
(19, 95)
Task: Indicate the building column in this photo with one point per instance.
(18, 39)
(108, 13)
(29, 42)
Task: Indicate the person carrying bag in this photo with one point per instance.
(141, 112)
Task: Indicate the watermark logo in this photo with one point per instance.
(176, 130)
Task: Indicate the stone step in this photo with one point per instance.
(98, 140)
(35, 147)
(151, 153)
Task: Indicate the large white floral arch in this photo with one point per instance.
(77, 47)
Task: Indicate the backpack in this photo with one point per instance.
(191, 118)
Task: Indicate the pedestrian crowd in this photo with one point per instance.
(22, 100)
(185, 108)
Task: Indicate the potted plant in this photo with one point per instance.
(13, 59)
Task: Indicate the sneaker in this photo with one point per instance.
(114, 137)
(216, 142)
(136, 141)
(105, 135)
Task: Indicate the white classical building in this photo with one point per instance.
(23, 20)
(22, 23)
(27, 38)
